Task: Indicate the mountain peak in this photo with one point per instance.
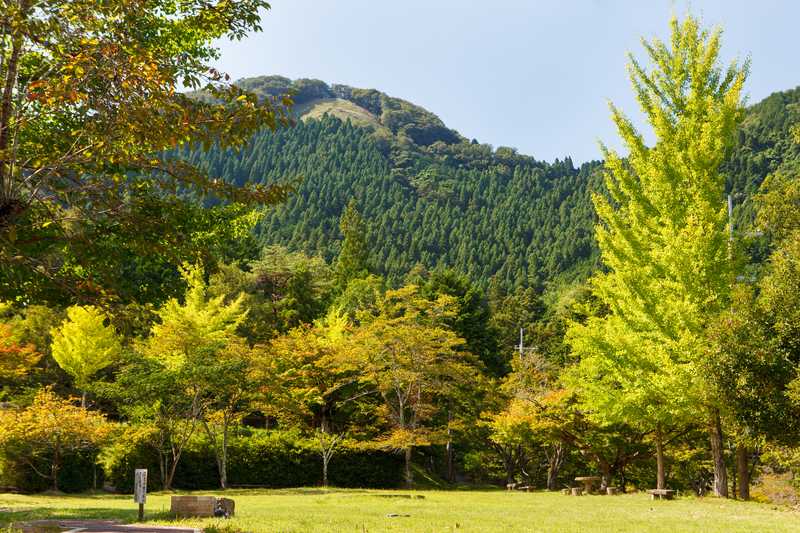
(370, 107)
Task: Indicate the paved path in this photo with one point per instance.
(97, 526)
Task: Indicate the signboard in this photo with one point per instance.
(140, 486)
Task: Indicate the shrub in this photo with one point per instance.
(79, 472)
(274, 459)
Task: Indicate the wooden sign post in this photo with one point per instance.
(140, 490)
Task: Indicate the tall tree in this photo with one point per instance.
(192, 342)
(231, 393)
(663, 238)
(353, 261)
(319, 382)
(414, 362)
(90, 103)
(84, 344)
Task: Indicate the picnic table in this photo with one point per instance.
(587, 481)
(661, 494)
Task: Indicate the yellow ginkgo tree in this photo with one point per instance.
(664, 243)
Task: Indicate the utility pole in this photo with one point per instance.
(730, 218)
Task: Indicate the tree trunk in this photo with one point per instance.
(409, 478)
(449, 449)
(6, 111)
(223, 463)
(171, 473)
(325, 459)
(554, 462)
(605, 470)
(451, 474)
(83, 399)
(743, 470)
(56, 466)
(660, 477)
(718, 455)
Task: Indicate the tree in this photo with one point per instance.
(161, 404)
(318, 382)
(84, 345)
(752, 351)
(90, 107)
(232, 390)
(42, 434)
(16, 359)
(512, 436)
(472, 320)
(189, 332)
(187, 349)
(413, 361)
(353, 261)
(663, 240)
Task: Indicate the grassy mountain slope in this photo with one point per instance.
(434, 198)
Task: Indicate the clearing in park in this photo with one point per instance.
(318, 510)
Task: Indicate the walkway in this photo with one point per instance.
(96, 526)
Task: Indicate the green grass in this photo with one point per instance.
(339, 108)
(313, 510)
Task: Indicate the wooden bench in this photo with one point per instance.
(661, 494)
(526, 488)
(612, 491)
(576, 491)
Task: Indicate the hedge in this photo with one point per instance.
(272, 459)
(79, 473)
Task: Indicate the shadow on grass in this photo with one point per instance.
(299, 491)
(86, 513)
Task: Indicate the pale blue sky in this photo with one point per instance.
(534, 75)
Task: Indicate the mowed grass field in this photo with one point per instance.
(317, 510)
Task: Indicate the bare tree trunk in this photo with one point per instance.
(83, 399)
(718, 455)
(660, 477)
(56, 466)
(449, 449)
(743, 470)
(409, 478)
(555, 458)
(605, 470)
(223, 464)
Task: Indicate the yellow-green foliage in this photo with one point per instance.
(83, 344)
(198, 327)
(662, 234)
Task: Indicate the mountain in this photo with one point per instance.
(435, 198)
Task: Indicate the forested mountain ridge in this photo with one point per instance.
(432, 197)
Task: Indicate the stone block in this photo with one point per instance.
(188, 506)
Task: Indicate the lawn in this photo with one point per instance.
(313, 510)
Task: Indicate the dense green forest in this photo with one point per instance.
(434, 198)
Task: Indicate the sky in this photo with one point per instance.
(535, 75)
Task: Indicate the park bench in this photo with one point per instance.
(612, 491)
(661, 494)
